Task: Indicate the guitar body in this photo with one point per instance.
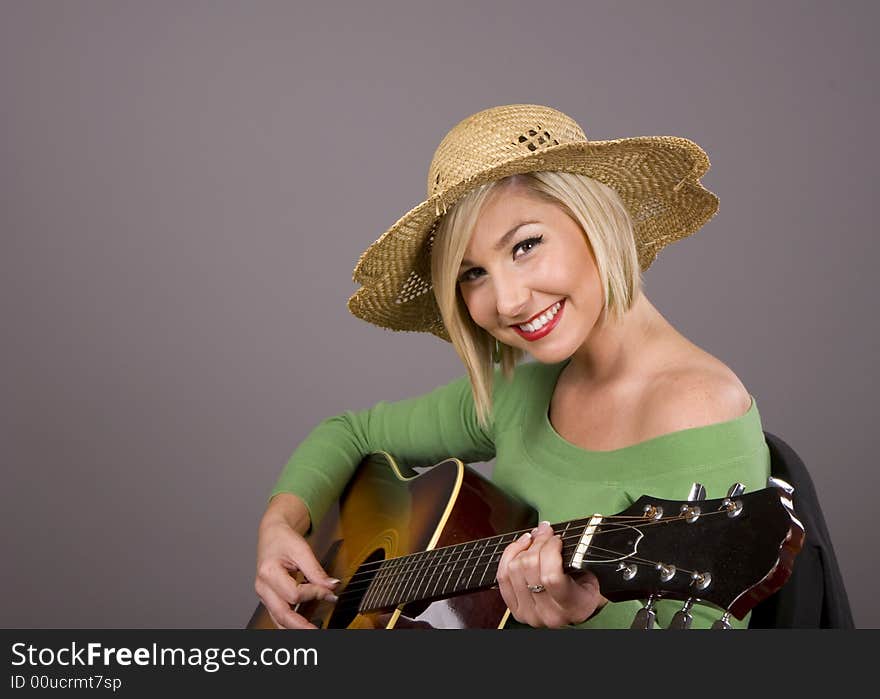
(387, 511)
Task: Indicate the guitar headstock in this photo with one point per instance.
(731, 552)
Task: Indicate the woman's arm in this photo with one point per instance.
(282, 552)
(419, 431)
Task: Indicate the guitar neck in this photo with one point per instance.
(452, 570)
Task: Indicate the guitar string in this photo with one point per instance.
(392, 564)
(399, 569)
(351, 590)
(613, 555)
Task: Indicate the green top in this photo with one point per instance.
(560, 480)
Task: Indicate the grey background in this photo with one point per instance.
(186, 187)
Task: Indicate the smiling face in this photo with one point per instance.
(529, 277)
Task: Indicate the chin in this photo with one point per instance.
(549, 354)
(550, 357)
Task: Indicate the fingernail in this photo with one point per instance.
(526, 536)
(331, 598)
(334, 581)
(540, 526)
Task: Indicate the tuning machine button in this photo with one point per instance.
(722, 623)
(653, 511)
(628, 570)
(691, 513)
(773, 482)
(733, 507)
(646, 617)
(697, 492)
(667, 571)
(701, 580)
(736, 490)
(683, 618)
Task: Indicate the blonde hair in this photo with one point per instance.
(608, 229)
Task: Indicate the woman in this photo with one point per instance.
(532, 240)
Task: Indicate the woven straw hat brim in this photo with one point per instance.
(656, 177)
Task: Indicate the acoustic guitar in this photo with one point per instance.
(421, 550)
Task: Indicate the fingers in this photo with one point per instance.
(510, 582)
(281, 592)
(281, 613)
(550, 574)
(308, 564)
(538, 563)
(542, 565)
(520, 567)
(282, 553)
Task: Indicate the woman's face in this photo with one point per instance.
(529, 278)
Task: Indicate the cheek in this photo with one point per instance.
(477, 303)
(585, 277)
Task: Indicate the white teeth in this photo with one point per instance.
(542, 319)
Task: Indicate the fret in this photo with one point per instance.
(400, 579)
(365, 602)
(424, 575)
(410, 578)
(374, 588)
(466, 566)
(449, 566)
(491, 559)
(444, 559)
(393, 581)
(562, 536)
(478, 558)
(383, 580)
(452, 568)
(418, 575)
(430, 571)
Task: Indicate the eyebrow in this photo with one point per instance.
(502, 241)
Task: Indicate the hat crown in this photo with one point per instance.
(496, 136)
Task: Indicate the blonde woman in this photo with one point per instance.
(532, 241)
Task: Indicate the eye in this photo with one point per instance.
(470, 275)
(527, 245)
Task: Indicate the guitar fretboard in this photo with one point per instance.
(450, 570)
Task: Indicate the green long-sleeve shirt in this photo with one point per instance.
(560, 480)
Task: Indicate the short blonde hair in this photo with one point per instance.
(608, 229)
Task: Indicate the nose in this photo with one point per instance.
(511, 297)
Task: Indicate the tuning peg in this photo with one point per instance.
(733, 506)
(698, 492)
(773, 482)
(683, 618)
(736, 490)
(722, 623)
(646, 617)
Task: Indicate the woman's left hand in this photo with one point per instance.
(536, 590)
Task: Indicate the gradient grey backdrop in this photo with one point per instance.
(186, 187)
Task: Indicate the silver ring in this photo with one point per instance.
(535, 589)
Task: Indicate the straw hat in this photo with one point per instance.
(656, 177)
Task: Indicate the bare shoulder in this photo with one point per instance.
(693, 394)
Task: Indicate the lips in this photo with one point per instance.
(544, 330)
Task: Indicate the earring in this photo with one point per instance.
(496, 353)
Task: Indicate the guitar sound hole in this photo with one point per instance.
(346, 608)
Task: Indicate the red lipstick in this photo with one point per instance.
(541, 332)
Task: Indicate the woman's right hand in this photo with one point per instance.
(282, 551)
